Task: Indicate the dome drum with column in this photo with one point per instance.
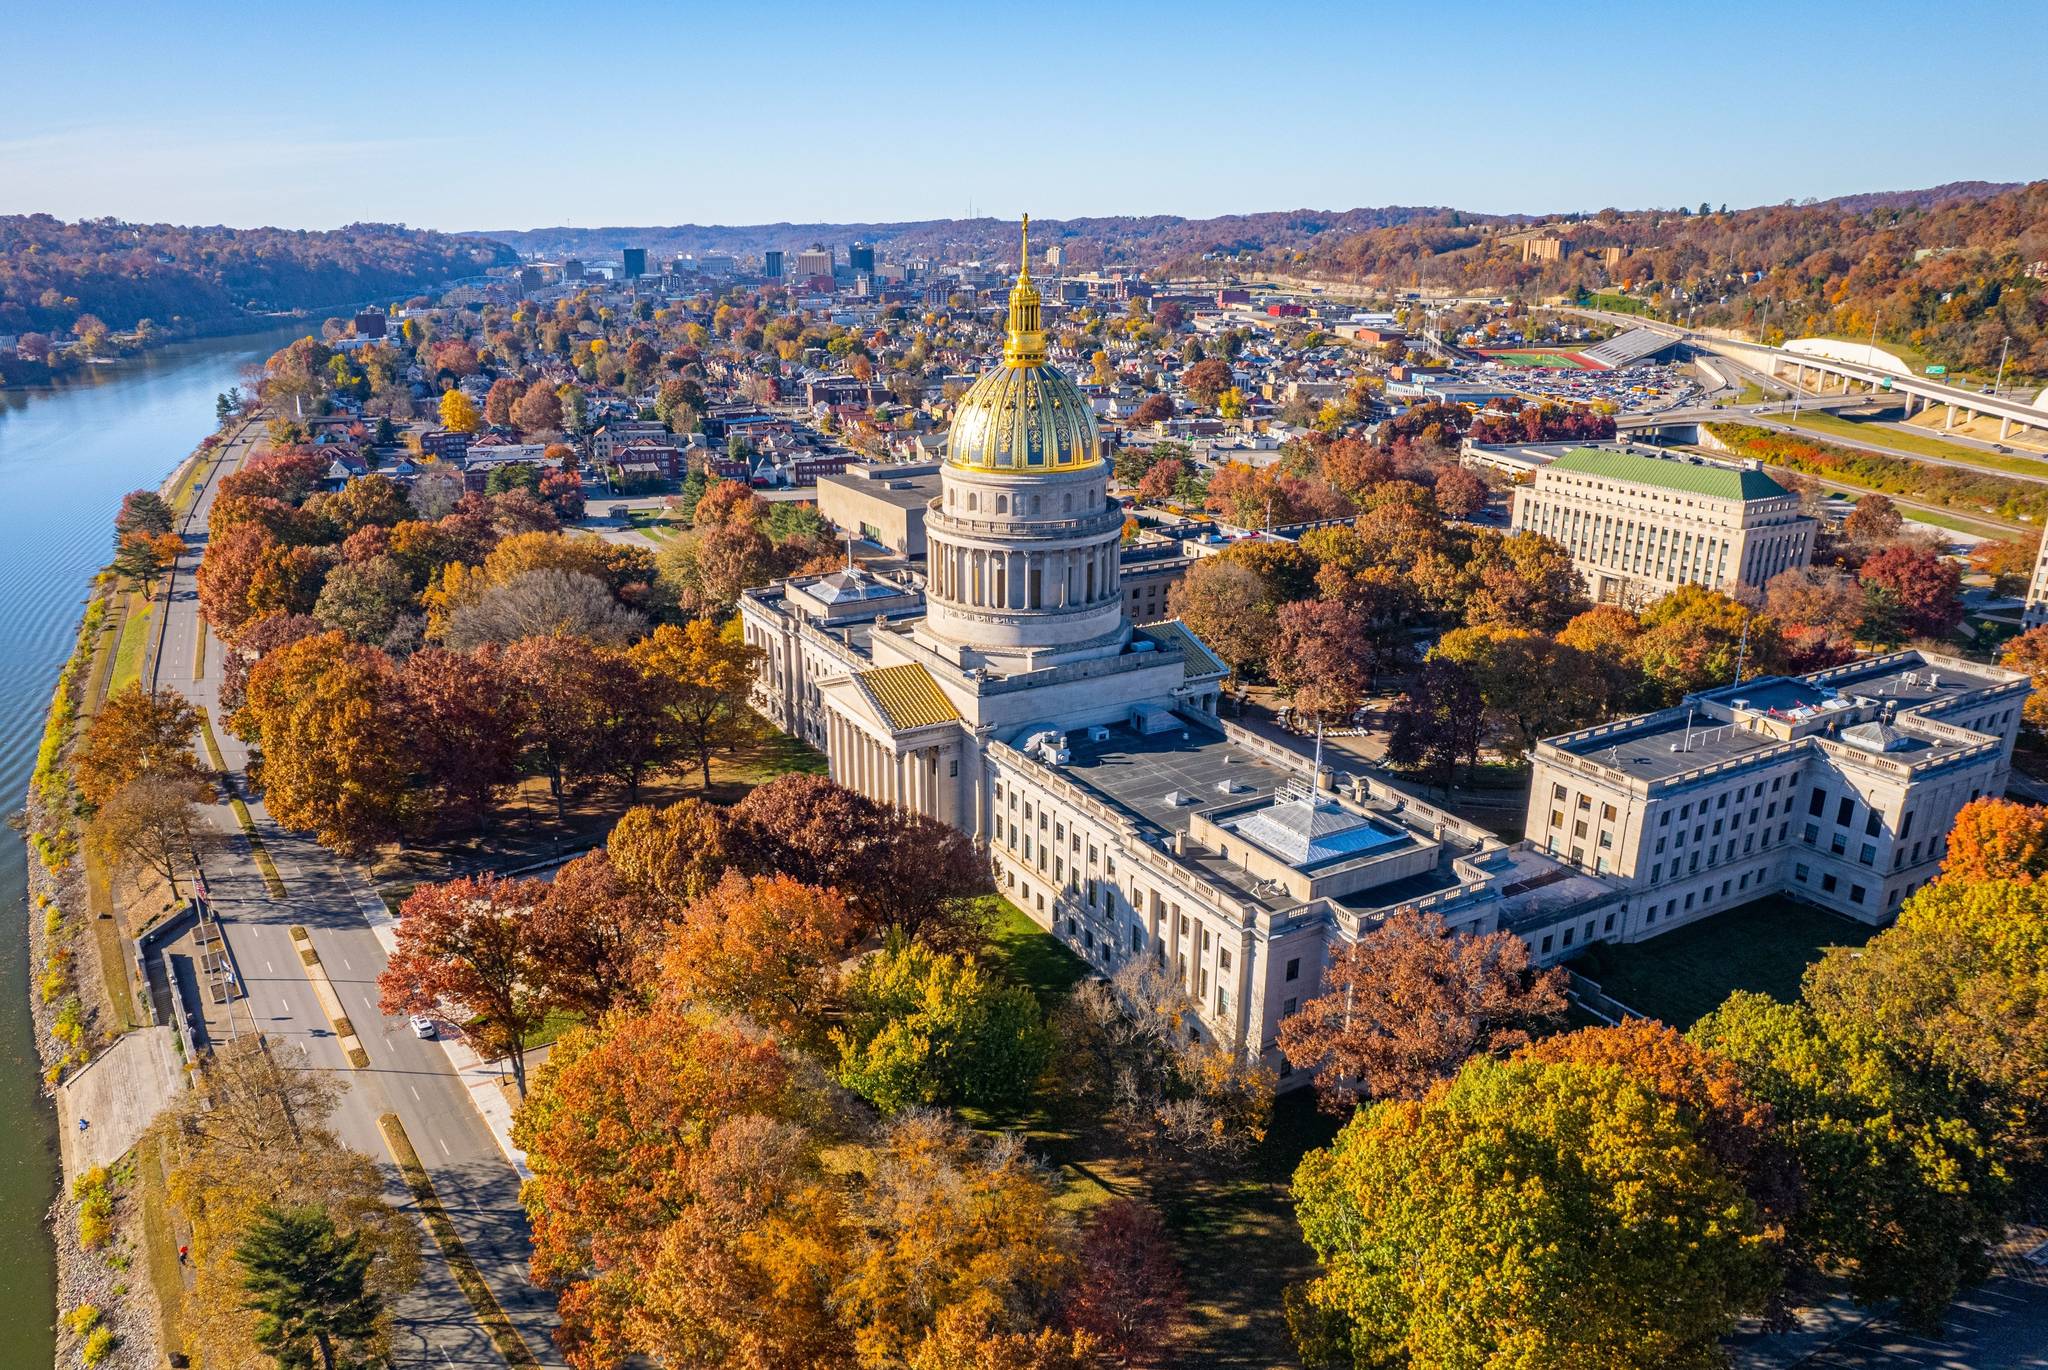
(1023, 541)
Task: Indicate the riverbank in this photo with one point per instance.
(109, 1312)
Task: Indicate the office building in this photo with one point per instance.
(1837, 788)
(632, 262)
(814, 261)
(771, 263)
(860, 259)
(1640, 524)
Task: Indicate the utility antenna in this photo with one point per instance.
(1742, 650)
(1315, 783)
(1688, 730)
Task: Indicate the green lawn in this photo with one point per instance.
(1915, 445)
(1953, 522)
(135, 631)
(1562, 361)
(1028, 954)
(1682, 976)
(655, 523)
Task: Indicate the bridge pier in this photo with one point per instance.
(1950, 420)
(2004, 427)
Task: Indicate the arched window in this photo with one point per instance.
(971, 501)
(1002, 504)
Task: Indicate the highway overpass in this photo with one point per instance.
(1810, 371)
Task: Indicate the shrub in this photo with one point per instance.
(82, 1319)
(99, 1345)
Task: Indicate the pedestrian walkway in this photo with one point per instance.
(116, 1098)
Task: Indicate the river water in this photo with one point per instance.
(68, 452)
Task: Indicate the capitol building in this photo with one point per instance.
(1009, 695)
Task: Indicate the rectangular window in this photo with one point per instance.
(1294, 968)
(1818, 804)
(1855, 894)
(1811, 835)
(1872, 825)
(1869, 855)
(1289, 1007)
(1828, 883)
(1845, 813)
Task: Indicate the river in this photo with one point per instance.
(68, 452)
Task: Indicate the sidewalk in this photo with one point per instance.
(478, 1076)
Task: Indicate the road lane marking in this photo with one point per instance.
(415, 1093)
(286, 1006)
(345, 965)
(443, 1145)
(272, 969)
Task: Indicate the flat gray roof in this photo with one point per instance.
(1136, 774)
(1647, 754)
(916, 491)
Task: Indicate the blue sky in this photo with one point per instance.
(513, 115)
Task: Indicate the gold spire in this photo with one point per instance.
(1026, 343)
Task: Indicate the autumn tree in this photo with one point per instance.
(898, 870)
(1128, 1060)
(1695, 638)
(539, 410)
(1556, 1199)
(1532, 686)
(1460, 493)
(1322, 657)
(134, 733)
(1407, 1003)
(329, 714)
(153, 823)
(463, 726)
(674, 854)
(1605, 636)
(505, 391)
(923, 1027)
(765, 948)
(1436, 724)
(1130, 1295)
(1525, 580)
(2028, 653)
(1997, 839)
(596, 936)
(1820, 611)
(700, 675)
(1873, 519)
(459, 413)
(1227, 606)
(1925, 590)
(1904, 1189)
(253, 1133)
(468, 949)
(1953, 988)
(677, 1207)
(560, 683)
(366, 601)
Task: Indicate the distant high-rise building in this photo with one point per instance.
(633, 262)
(860, 257)
(370, 324)
(771, 263)
(572, 269)
(814, 261)
(529, 278)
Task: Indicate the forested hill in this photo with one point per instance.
(1952, 272)
(53, 272)
(1124, 239)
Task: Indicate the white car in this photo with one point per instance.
(422, 1026)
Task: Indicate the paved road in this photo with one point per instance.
(407, 1076)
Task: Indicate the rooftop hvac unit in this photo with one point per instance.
(1098, 733)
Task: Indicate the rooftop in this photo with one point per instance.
(1162, 780)
(1687, 476)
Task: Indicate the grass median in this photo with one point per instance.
(490, 1315)
(268, 868)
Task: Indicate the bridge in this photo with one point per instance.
(1811, 371)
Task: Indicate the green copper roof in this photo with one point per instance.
(1669, 473)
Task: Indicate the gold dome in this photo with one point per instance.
(1024, 415)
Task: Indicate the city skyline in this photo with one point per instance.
(649, 118)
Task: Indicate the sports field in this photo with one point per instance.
(1556, 361)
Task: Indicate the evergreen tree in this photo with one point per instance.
(307, 1283)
